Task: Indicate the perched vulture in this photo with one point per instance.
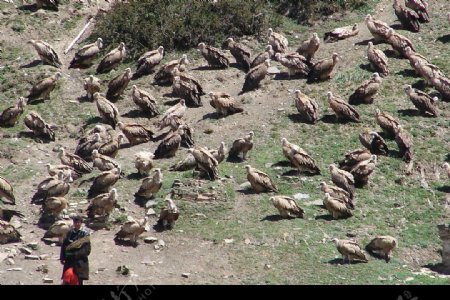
(46, 53)
(103, 204)
(224, 104)
(367, 91)
(186, 77)
(422, 101)
(383, 246)
(169, 214)
(148, 61)
(323, 69)
(59, 230)
(309, 48)
(164, 74)
(150, 185)
(296, 63)
(374, 142)
(8, 214)
(118, 84)
(52, 187)
(135, 133)
(170, 144)
(102, 130)
(103, 162)
(213, 56)
(260, 181)
(254, 76)
(404, 143)
(307, 107)
(377, 28)
(421, 8)
(74, 161)
(336, 207)
(362, 170)
(53, 170)
(85, 148)
(6, 192)
(112, 59)
(354, 157)
(350, 250)
(54, 206)
(429, 72)
(378, 60)
(111, 148)
(84, 57)
(398, 42)
(387, 123)
(40, 128)
(103, 182)
(415, 57)
(261, 58)
(176, 111)
(11, 115)
(338, 193)
(341, 33)
(188, 163)
(132, 230)
(206, 162)
(278, 42)
(91, 85)
(220, 153)
(287, 207)
(343, 179)
(299, 158)
(442, 85)
(43, 88)
(51, 4)
(145, 101)
(241, 145)
(144, 162)
(188, 91)
(8, 234)
(107, 110)
(408, 18)
(343, 110)
(241, 53)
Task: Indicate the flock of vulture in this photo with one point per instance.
(98, 147)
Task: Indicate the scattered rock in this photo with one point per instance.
(101, 269)
(247, 241)
(150, 239)
(150, 204)
(32, 257)
(148, 263)
(42, 268)
(33, 245)
(14, 269)
(228, 241)
(267, 266)
(25, 250)
(151, 212)
(123, 270)
(351, 234)
(245, 185)
(409, 279)
(48, 280)
(43, 256)
(10, 261)
(300, 196)
(273, 70)
(185, 275)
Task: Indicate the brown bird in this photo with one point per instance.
(377, 28)
(383, 246)
(213, 56)
(378, 60)
(85, 148)
(188, 78)
(144, 162)
(170, 144)
(398, 42)
(103, 204)
(341, 33)
(8, 234)
(58, 229)
(164, 74)
(362, 170)
(145, 101)
(84, 57)
(220, 153)
(260, 181)
(103, 162)
(150, 185)
(188, 163)
(91, 85)
(336, 207)
(287, 207)
(40, 128)
(323, 69)
(374, 142)
(299, 158)
(224, 104)
(367, 91)
(307, 107)
(169, 214)
(261, 58)
(338, 193)
(278, 42)
(52, 187)
(242, 145)
(404, 143)
(148, 61)
(354, 157)
(415, 57)
(107, 110)
(343, 110)
(343, 179)
(421, 8)
(53, 170)
(131, 230)
(54, 206)
(241, 53)
(46, 53)
(112, 59)
(8, 214)
(296, 63)
(309, 47)
(43, 88)
(188, 91)
(408, 18)
(254, 76)
(111, 148)
(350, 250)
(442, 85)
(103, 182)
(11, 115)
(118, 84)
(49, 4)
(386, 122)
(135, 133)
(422, 101)
(175, 112)
(74, 161)
(206, 162)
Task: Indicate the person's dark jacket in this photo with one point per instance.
(76, 258)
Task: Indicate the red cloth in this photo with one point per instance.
(70, 277)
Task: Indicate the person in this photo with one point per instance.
(75, 250)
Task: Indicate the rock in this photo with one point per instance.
(10, 261)
(151, 212)
(273, 70)
(161, 243)
(48, 280)
(409, 279)
(245, 185)
(315, 202)
(351, 234)
(228, 241)
(148, 263)
(53, 245)
(16, 224)
(33, 245)
(32, 257)
(43, 256)
(14, 269)
(42, 268)
(150, 239)
(267, 266)
(150, 203)
(101, 269)
(185, 275)
(25, 250)
(247, 241)
(300, 196)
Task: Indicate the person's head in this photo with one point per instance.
(77, 221)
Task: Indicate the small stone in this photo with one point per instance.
(10, 261)
(351, 234)
(208, 131)
(228, 241)
(33, 245)
(161, 243)
(48, 280)
(101, 269)
(42, 268)
(245, 185)
(32, 257)
(300, 196)
(151, 212)
(185, 275)
(44, 256)
(247, 241)
(150, 203)
(25, 250)
(150, 239)
(14, 269)
(148, 263)
(273, 70)
(409, 279)
(267, 266)
(53, 245)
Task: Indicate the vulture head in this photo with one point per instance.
(121, 46)
(61, 152)
(408, 88)
(377, 111)
(201, 46)
(247, 167)
(22, 102)
(96, 95)
(355, 27)
(222, 147)
(277, 56)
(182, 102)
(323, 184)
(113, 193)
(177, 80)
(315, 35)
(335, 57)
(161, 50)
(32, 42)
(376, 77)
(368, 18)
(97, 137)
(58, 75)
(184, 60)
(390, 32)
(67, 178)
(335, 241)
(251, 134)
(446, 166)
(329, 95)
(211, 94)
(120, 137)
(127, 72)
(408, 50)
(373, 158)
(95, 153)
(120, 125)
(268, 48)
(134, 87)
(61, 175)
(269, 32)
(332, 167)
(267, 62)
(99, 43)
(284, 141)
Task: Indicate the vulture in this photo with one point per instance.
(103, 162)
(382, 246)
(169, 214)
(442, 86)
(404, 143)
(343, 110)
(299, 158)
(220, 153)
(8, 214)
(422, 101)
(323, 69)
(278, 42)
(188, 163)
(354, 157)
(112, 59)
(53, 170)
(224, 104)
(240, 53)
(91, 85)
(429, 72)
(343, 179)
(362, 170)
(51, 4)
(241, 145)
(307, 107)
(296, 63)
(148, 61)
(338, 194)
(336, 207)
(261, 58)
(6, 192)
(40, 128)
(74, 161)
(150, 185)
(145, 101)
(187, 136)
(59, 230)
(52, 187)
(144, 162)
(132, 230)
(103, 204)
(111, 148)
(367, 91)
(350, 250)
(43, 88)
(341, 33)
(206, 162)
(408, 18)
(103, 182)
(100, 129)
(386, 122)
(415, 57)
(188, 91)
(378, 60)
(54, 206)
(446, 166)
(309, 48)
(85, 148)
(186, 77)
(176, 111)
(135, 133)
(398, 42)
(213, 56)
(287, 207)
(164, 74)
(84, 57)
(11, 115)
(170, 144)
(260, 181)
(374, 142)
(118, 84)
(46, 53)
(254, 76)
(107, 110)
(421, 8)
(8, 234)
(377, 28)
